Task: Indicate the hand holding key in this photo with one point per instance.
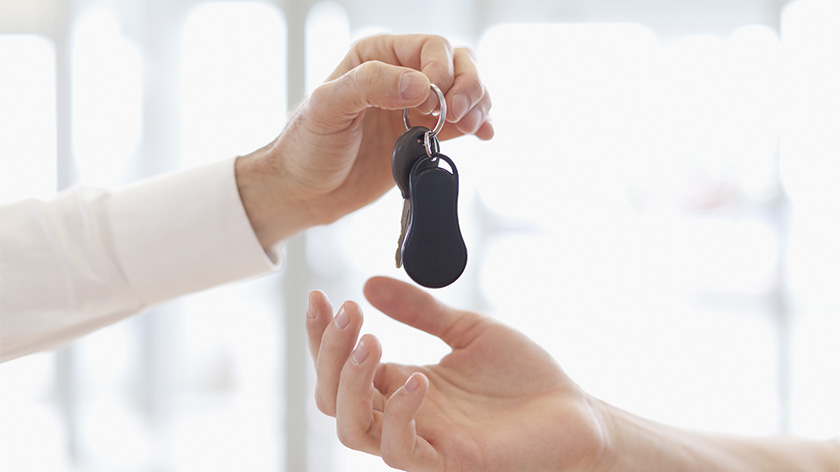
(334, 155)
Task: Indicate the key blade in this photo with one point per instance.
(406, 216)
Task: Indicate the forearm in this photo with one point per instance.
(58, 276)
(638, 444)
(88, 257)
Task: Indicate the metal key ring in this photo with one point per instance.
(441, 117)
(428, 138)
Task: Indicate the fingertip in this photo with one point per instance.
(486, 131)
(368, 347)
(361, 353)
(318, 316)
(316, 322)
(387, 294)
(314, 302)
(417, 383)
(354, 308)
(414, 86)
(406, 401)
(376, 345)
(350, 313)
(375, 287)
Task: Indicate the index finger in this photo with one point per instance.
(418, 309)
(430, 54)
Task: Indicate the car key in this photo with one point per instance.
(407, 151)
(430, 245)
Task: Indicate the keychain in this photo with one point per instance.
(430, 245)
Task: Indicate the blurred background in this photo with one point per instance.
(659, 210)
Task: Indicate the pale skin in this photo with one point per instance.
(334, 155)
(499, 402)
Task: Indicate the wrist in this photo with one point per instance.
(639, 444)
(614, 432)
(267, 191)
(632, 441)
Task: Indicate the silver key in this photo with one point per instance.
(406, 213)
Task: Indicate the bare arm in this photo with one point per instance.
(642, 445)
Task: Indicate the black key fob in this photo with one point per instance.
(434, 253)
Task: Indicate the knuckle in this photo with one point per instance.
(366, 41)
(368, 74)
(371, 70)
(320, 94)
(440, 41)
(468, 51)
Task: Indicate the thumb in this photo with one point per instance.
(418, 309)
(373, 84)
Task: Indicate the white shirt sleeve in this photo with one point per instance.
(88, 258)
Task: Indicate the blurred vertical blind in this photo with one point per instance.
(657, 210)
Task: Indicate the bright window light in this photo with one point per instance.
(233, 72)
(31, 434)
(233, 100)
(107, 98)
(810, 145)
(327, 41)
(27, 118)
(810, 171)
(615, 156)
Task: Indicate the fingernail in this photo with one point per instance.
(411, 384)
(342, 319)
(473, 119)
(412, 85)
(459, 105)
(310, 310)
(361, 353)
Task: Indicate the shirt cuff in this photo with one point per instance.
(186, 232)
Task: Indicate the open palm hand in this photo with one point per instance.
(496, 400)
